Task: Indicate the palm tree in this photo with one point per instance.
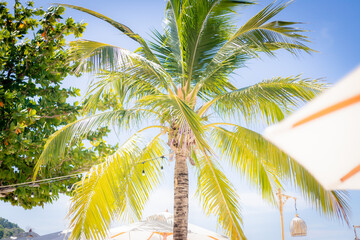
(179, 85)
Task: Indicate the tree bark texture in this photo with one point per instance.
(181, 197)
(181, 141)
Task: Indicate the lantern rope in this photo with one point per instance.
(67, 177)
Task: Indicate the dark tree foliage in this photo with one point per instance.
(8, 229)
(34, 60)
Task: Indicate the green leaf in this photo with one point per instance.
(218, 197)
(264, 166)
(115, 189)
(269, 101)
(57, 143)
(126, 30)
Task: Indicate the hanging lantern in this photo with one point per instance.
(143, 171)
(298, 227)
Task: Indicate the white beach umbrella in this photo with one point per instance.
(324, 136)
(159, 227)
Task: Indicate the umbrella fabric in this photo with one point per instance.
(159, 227)
(324, 136)
(152, 230)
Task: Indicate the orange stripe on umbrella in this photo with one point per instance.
(328, 110)
(118, 234)
(213, 237)
(351, 173)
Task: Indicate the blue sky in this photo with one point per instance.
(333, 31)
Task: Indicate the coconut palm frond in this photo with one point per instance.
(247, 161)
(270, 100)
(96, 56)
(134, 83)
(206, 25)
(239, 142)
(214, 88)
(169, 46)
(255, 36)
(194, 32)
(115, 189)
(258, 32)
(107, 83)
(168, 53)
(124, 29)
(58, 142)
(333, 204)
(218, 197)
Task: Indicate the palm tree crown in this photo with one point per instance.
(179, 85)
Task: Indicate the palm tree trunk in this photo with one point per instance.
(181, 197)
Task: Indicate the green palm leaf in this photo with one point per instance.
(57, 143)
(96, 57)
(257, 32)
(256, 35)
(132, 84)
(245, 159)
(271, 100)
(171, 41)
(115, 189)
(264, 164)
(126, 30)
(218, 197)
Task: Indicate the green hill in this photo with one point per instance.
(8, 229)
